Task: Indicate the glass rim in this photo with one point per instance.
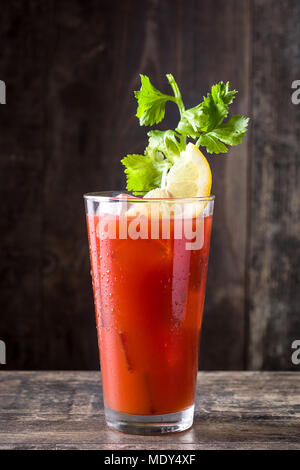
(112, 196)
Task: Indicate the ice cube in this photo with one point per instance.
(116, 206)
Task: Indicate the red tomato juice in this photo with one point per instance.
(149, 296)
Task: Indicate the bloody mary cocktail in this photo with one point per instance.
(149, 257)
(149, 296)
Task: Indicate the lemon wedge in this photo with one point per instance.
(190, 176)
(154, 209)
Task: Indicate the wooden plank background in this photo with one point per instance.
(70, 69)
(274, 249)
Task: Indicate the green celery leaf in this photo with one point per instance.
(192, 121)
(232, 131)
(151, 103)
(157, 140)
(165, 142)
(142, 173)
(212, 143)
(153, 154)
(216, 105)
(209, 114)
(221, 93)
(172, 146)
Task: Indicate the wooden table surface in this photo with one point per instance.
(234, 410)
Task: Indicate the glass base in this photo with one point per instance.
(150, 424)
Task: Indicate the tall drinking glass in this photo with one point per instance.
(149, 262)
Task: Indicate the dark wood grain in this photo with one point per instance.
(234, 410)
(274, 242)
(223, 27)
(23, 67)
(70, 70)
